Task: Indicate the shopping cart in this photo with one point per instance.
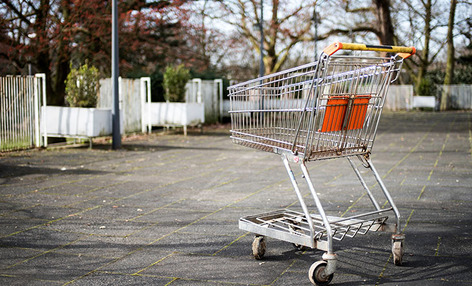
(323, 110)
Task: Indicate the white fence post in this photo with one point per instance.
(41, 88)
(198, 90)
(146, 106)
(218, 89)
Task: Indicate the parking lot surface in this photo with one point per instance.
(164, 210)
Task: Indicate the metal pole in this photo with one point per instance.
(315, 20)
(261, 66)
(116, 143)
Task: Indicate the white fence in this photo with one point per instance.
(459, 95)
(135, 105)
(20, 97)
(399, 97)
(130, 93)
(210, 92)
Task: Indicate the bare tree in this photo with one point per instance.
(286, 23)
(362, 17)
(449, 78)
(419, 23)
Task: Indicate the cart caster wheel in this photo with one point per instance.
(258, 247)
(397, 251)
(316, 273)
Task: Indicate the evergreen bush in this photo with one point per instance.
(175, 79)
(82, 86)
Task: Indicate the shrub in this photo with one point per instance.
(82, 86)
(175, 79)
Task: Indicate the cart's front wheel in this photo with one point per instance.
(397, 251)
(317, 273)
(258, 247)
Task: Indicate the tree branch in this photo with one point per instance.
(16, 11)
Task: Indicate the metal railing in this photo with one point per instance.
(19, 111)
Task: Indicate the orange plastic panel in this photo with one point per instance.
(335, 114)
(358, 112)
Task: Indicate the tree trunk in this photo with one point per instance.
(449, 78)
(63, 58)
(384, 22)
(424, 58)
(41, 45)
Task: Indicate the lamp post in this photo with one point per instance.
(315, 21)
(116, 136)
(261, 28)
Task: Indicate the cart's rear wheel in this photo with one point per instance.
(397, 251)
(258, 247)
(316, 273)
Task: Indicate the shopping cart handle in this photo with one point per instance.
(404, 52)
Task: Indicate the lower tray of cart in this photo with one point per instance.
(292, 226)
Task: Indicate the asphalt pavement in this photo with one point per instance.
(164, 210)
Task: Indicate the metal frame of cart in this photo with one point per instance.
(323, 110)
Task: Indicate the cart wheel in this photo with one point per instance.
(258, 247)
(397, 251)
(316, 273)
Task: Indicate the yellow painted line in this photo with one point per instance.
(8, 275)
(58, 185)
(297, 201)
(173, 279)
(407, 155)
(385, 204)
(212, 213)
(308, 194)
(408, 220)
(403, 181)
(101, 205)
(383, 270)
(136, 231)
(156, 209)
(46, 252)
(391, 255)
(152, 264)
(389, 171)
(52, 221)
(353, 204)
(470, 143)
(435, 165)
(110, 203)
(172, 232)
(83, 193)
(421, 193)
(437, 246)
(439, 156)
(231, 243)
(333, 179)
(283, 272)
